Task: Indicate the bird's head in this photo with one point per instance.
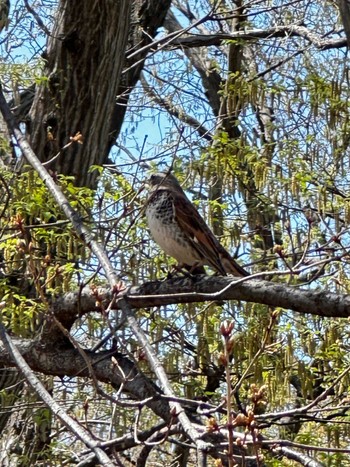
(163, 181)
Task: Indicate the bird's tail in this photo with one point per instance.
(230, 266)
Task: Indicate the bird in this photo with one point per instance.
(178, 228)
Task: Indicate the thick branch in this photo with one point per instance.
(201, 40)
(205, 288)
(67, 361)
(208, 288)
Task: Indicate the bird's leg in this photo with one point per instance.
(196, 269)
(186, 270)
(182, 269)
(189, 271)
(176, 269)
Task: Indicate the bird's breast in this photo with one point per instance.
(161, 219)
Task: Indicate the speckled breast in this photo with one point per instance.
(165, 230)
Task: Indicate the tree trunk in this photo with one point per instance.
(86, 91)
(85, 58)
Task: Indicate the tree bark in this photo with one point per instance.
(344, 8)
(84, 63)
(86, 90)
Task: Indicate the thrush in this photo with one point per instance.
(181, 232)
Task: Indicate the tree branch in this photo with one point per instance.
(66, 361)
(201, 40)
(177, 412)
(174, 111)
(68, 307)
(40, 390)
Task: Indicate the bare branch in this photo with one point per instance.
(40, 390)
(176, 409)
(175, 112)
(201, 40)
(207, 288)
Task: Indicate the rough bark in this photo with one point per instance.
(344, 8)
(86, 90)
(207, 288)
(84, 63)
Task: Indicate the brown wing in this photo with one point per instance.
(202, 238)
